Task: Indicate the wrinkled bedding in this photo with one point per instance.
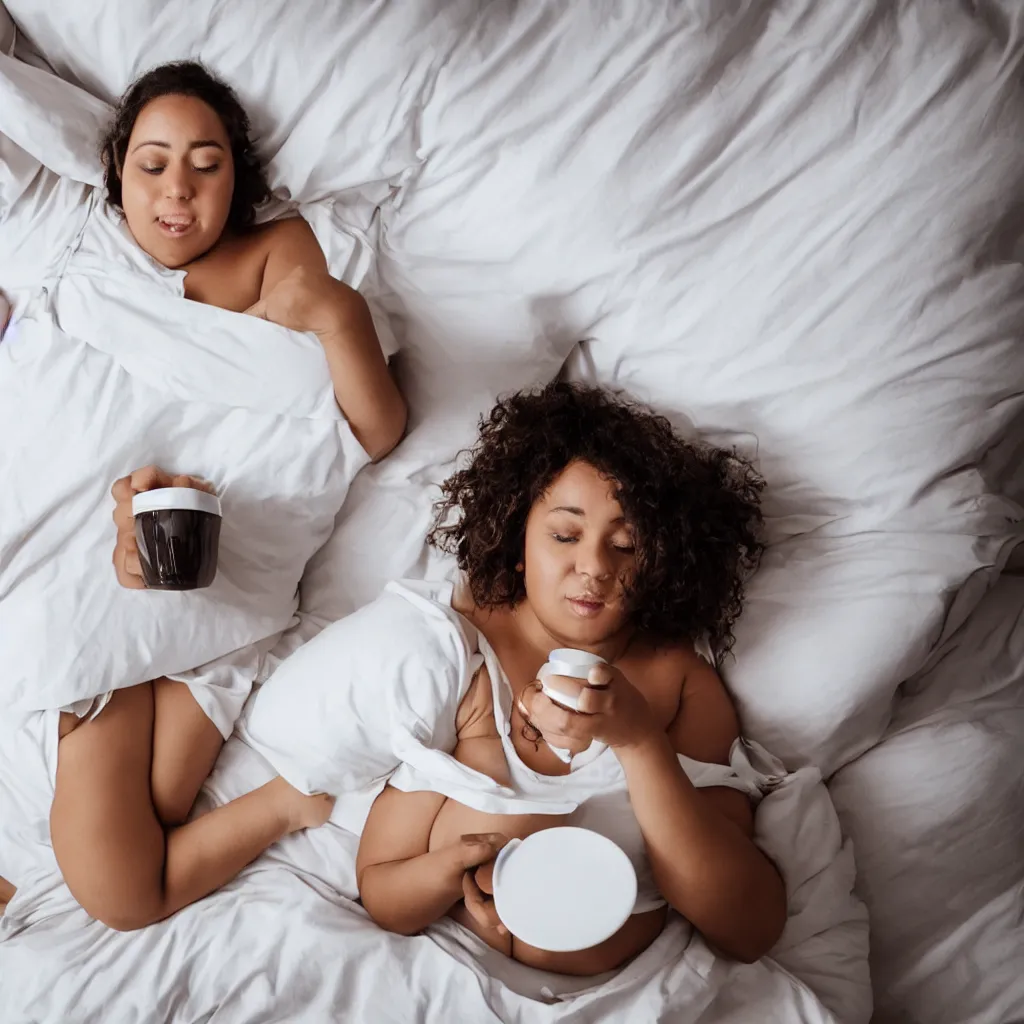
(793, 227)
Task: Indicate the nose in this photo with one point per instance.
(594, 560)
(178, 183)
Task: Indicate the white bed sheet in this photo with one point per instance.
(519, 213)
(936, 813)
(237, 954)
(791, 221)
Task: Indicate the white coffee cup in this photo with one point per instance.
(566, 661)
(564, 889)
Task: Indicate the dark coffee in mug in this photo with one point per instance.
(178, 533)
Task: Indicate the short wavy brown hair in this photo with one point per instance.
(694, 509)
(189, 78)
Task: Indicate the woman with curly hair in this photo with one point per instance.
(182, 170)
(584, 521)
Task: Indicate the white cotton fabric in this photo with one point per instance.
(329, 110)
(793, 223)
(817, 972)
(947, 900)
(378, 687)
(594, 795)
(106, 368)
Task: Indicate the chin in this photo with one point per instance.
(174, 255)
(171, 263)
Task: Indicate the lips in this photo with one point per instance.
(176, 224)
(586, 607)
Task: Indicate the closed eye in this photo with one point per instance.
(199, 170)
(626, 549)
(564, 540)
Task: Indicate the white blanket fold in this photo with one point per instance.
(106, 369)
(817, 974)
(374, 697)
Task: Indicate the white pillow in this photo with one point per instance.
(789, 222)
(48, 128)
(332, 716)
(333, 90)
(54, 121)
(946, 780)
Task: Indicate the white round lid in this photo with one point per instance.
(564, 889)
(571, 656)
(570, 663)
(189, 498)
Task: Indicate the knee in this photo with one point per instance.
(122, 912)
(124, 919)
(171, 808)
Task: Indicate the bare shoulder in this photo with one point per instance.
(706, 723)
(293, 238)
(294, 230)
(288, 244)
(657, 670)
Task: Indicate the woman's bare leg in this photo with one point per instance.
(185, 746)
(111, 846)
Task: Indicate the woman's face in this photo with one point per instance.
(579, 552)
(178, 179)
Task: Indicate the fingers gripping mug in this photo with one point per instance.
(568, 662)
(565, 661)
(178, 533)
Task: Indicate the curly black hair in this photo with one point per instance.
(694, 509)
(189, 78)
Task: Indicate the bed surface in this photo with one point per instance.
(793, 227)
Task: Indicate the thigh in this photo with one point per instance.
(108, 842)
(185, 746)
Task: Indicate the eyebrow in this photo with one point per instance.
(573, 510)
(198, 144)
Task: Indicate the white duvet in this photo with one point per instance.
(793, 224)
(107, 368)
(338, 965)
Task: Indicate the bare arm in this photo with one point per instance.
(700, 841)
(298, 292)
(403, 887)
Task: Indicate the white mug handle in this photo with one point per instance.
(503, 855)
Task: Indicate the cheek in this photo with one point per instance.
(133, 189)
(220, 194)
(546, 570)
(136, 200)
